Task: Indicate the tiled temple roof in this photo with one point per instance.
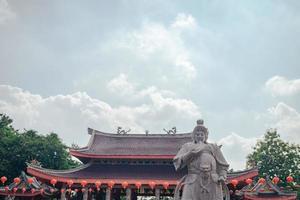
(120, 172)
(108, 145)
(34, 189)
(270, 190)
(106, 172)
(242, 175)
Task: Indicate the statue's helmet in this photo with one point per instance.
(200, 127)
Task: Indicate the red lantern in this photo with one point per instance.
(17, 180)
(83, 190)
(6, 188)
(261, 181)
(152, 184)
(53, 181)
(90, 190)
(166, 185)
(111, 184)
(234, 182)
(138, 185)
(32, 190)
(289, 179)
(3, 179)
(62, 190)
(98, 184)
(83, 183)
(125, 184)
(70, 183)
(15, 190)
(42, 191)
(23, 190)
(275, 180)
(249, 181)
(30, 180)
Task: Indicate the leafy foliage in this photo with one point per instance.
(17, 148)
(275, 157)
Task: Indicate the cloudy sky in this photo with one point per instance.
(149, 65)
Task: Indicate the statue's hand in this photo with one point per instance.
(195, 151)
(222, 179)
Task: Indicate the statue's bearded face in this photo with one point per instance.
(199, 135)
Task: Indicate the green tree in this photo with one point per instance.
(275, 157)
(17, 148)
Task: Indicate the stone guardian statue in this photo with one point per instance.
(207, 168)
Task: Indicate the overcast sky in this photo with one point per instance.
(149, 65)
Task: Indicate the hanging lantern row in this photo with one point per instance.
(111, 184)
(125, 184)
(32, 190)
(275, 180)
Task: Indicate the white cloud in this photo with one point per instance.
(286, 120)
(5, 12)
(163, 45)
(121, 85)
(186, 67)
(281, 86)
(184, 21)
(236, 148)
(70, 115)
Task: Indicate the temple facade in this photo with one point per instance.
(124, 166)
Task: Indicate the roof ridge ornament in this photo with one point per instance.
(200, 122)
(147, 132)
(120, 130)
(173, 130)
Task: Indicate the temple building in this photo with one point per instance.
(118, 166)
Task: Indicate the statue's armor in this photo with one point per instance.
(205, 179)
(206, 166)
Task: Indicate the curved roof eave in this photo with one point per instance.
(64, 175)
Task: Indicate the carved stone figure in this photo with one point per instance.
(207, 167)
(171, 131)
(120, 130)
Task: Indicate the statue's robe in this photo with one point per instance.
(204, 170)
